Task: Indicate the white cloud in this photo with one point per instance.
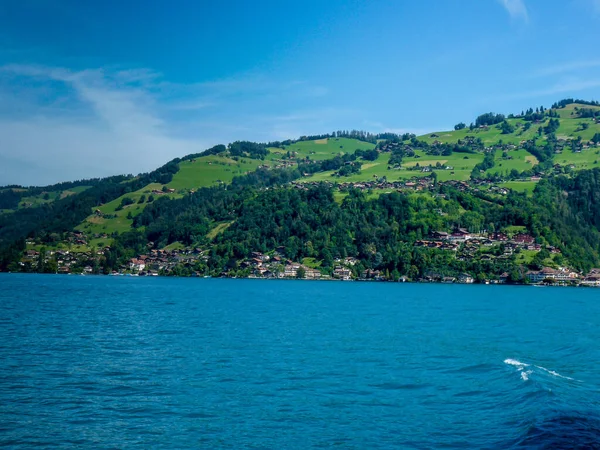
(516, 9)
(121, 132)
(58, 124)
(566, 67)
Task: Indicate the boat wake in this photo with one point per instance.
(527, 369)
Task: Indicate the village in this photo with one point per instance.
(464, 245)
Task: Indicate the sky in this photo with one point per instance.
(98, 88)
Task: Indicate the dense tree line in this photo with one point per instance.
(570, 101)
(489, 119)
(379, 232)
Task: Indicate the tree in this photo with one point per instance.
(460, 126)
(506, 127)
(434, 177)
(41, 260)
(301, 272)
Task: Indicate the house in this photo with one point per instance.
(342, 273)
(523, 238)
(439, 235)
(503, 278)
(465, 278)
(291, 270)
(547, 273)
(498, 236)
(312, 274)
(461, 234)
(591, 280)
(136, 265)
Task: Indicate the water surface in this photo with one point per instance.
(114, 362)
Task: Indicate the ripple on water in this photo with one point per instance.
(173, 363)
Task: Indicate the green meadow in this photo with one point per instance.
(49, 197)
(519, 186)
(586, 159)
(516, 159)
(461, 166)
(570, 127)
(321, 149)
(120, 222)
(211, 170)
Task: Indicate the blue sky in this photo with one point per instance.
(99, 88)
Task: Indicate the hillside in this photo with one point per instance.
(486, 161)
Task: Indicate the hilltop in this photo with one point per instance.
(491, 160)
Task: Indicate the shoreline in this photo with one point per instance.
(128, 276)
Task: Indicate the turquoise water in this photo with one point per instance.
(110, 362)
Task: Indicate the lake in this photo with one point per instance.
(123, 362)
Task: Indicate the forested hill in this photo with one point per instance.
(498, 199)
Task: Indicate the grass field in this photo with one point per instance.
(587, 159)
(202, 172)
(371, 170)
(569, 127)
(218, 230)
(321, 149)
(120, 223)
(210, 170)
(519, 159)
(520, 186)
(38, 200)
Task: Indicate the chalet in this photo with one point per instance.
(440, 235)
(370, 274)
(533, 247)
(498, 237)
(503, 278)
(461, 234)
(523, 238)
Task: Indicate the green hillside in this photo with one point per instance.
(211, 170)
(109, 218)
(519, 145)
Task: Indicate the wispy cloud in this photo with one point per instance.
(570, 86)
(121, 133)
(566, 67)
(516, 9)
(58, 124)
